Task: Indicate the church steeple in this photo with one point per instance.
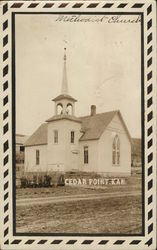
(64, 103)
(64, 89)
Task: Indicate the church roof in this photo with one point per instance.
(92, 127)
(39, 137)
(64, 90)
(20, 139)
(64, 96)
(61, 117)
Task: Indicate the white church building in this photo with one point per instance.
(97, 143)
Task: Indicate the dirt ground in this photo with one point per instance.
(116, 215)
(111, 215)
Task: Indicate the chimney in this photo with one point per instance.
(93, 110)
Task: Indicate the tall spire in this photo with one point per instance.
(64, 89)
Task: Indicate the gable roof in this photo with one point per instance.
(126, 129)
(39, 137)
(93, 126)
(64, 96)
(62, 116)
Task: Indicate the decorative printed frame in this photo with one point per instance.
(147, 9)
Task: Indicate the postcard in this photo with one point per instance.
(78, 125)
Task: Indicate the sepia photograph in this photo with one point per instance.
(79, 124)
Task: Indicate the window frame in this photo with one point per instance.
(22, 148)
(37, 157)
(55, 138)
(116, 151)
(86, 154)
(72, 137)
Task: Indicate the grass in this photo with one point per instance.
(133, 183)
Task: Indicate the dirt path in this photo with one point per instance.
(67, 198)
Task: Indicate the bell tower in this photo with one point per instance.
(64, 103)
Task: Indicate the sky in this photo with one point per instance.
(103, 68)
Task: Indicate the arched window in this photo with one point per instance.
(116, 151)
(59, 109)
(69, 109)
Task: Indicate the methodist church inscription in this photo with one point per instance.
(96, 19)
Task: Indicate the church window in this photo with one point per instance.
(69, 109)
(37, 157)
(22, 149)
(116, 151)
(86, 155)
(55, 136)
(59, 109)
(72, 136)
